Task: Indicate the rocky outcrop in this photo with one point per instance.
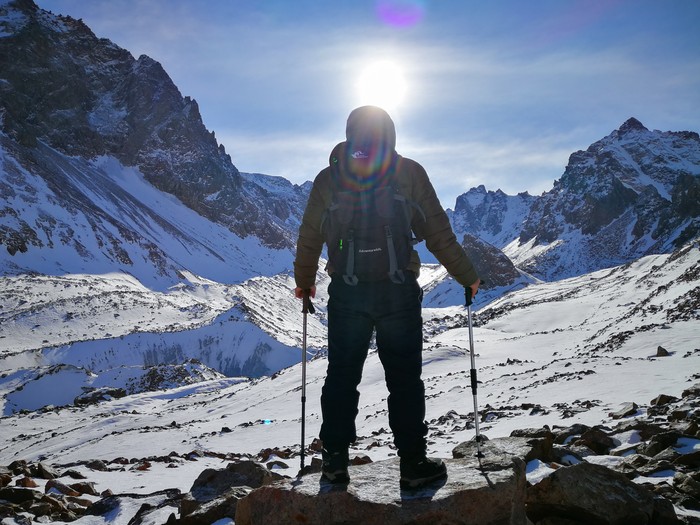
(492, 494)
(492, 265)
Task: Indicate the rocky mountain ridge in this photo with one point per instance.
(66, 91)
(630, 194)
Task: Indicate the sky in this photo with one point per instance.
(493, 93)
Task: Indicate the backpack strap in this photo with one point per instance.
(349, 276)
(395, 273)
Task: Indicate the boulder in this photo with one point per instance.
(596, 440)
(627, 410)
(590, 493)
(528, 448)
(215, 493)
(475, 492)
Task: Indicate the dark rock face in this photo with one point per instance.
(492, 265)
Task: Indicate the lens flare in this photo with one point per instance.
(400, 13)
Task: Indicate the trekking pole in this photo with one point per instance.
(468, 299)
(306, 309)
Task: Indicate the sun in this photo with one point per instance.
(382, 84)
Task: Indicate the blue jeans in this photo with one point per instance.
(354, 313)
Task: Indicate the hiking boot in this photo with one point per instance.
(421, 471)
(335, 466)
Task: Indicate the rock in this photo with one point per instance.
(562, 436)
(522, 447)
(26, 482)
(5, 479)
(687, 485)
(87, 487)
(691, 459)
(43, 508)
(660, 442)
(213, 484)
(20, 495)
(663, 399)
(470, 495)
(19, 467)
(692, 392)
(662, 352)
(115, 505)
(73, 474)
(219, 508)
(680, 413)
(627, 410)
(97, 464)
(646, 429)
(43, 471)
(92, 396)
(56, 485)
(591, 494)
(596, 440)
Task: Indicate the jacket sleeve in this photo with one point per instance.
(437, 231)
(310, 240)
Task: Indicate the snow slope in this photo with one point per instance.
(550, 354)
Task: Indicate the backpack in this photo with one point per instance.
(368, 231)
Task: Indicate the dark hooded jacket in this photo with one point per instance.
(413, 183)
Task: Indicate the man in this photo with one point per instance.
(390, 305)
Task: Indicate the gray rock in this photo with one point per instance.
(597, 440)
(591, 494)
(528, 448)
(470, 495)
(627, 410)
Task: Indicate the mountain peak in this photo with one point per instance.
(632, 124)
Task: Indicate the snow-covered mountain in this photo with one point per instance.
(632, 193)
(84, 126)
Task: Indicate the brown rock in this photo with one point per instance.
(26, 482)
(5, 480)
(663, 399)
(215, 484)
(85, 487)
(60, 487)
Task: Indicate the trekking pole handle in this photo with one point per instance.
(307, 305)
(468, 299)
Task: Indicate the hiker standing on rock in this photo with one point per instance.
(367, 205)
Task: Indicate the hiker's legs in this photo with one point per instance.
(349, 334)
(400, 345)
